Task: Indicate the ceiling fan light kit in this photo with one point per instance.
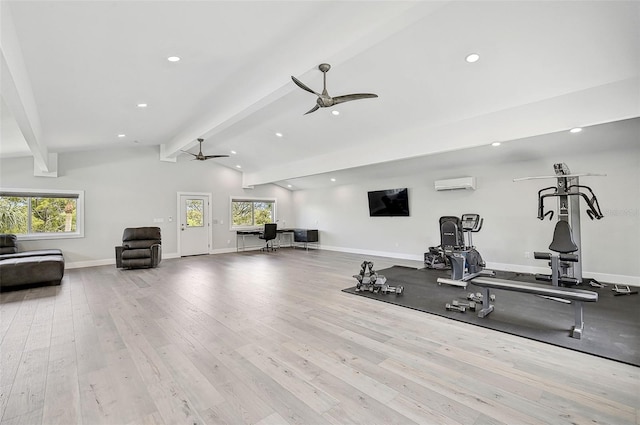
(324, 100)
(201, 157)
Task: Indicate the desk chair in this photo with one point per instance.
(269, 234)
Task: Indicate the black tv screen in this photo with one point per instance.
(389, 203)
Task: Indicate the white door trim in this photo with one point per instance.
(178, 209)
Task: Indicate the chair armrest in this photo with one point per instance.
(119, 250)
(156, 254)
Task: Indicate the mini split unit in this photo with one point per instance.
(454, 184)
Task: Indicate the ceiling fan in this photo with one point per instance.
(324, 100)
(201, 157)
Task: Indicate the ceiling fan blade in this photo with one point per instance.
(302, 85)
(349, 97)
(216, 156)
(315, 108)
(189, 153)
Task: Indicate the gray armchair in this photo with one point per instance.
(141, 248)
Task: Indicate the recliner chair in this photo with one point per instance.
(268, 235)
(141, 248)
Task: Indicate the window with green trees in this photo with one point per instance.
(38, 213)
(195, 212)
(252, 212)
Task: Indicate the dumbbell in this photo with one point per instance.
(470, 305)
(477, 297)
(395, 289)
(450, 307)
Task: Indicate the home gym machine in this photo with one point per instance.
(566, 266)
(466, 262)
(369, 280)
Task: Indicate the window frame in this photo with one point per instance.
(254, 226)
(78, 195)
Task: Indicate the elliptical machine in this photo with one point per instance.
(466, 262)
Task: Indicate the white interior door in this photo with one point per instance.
(195, 228)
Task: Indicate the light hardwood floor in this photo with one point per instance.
(269, 339)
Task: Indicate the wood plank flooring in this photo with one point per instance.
(270, 339)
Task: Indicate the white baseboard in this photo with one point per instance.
(227, 250)
(518, 268)
(398, 255)
(105, 262)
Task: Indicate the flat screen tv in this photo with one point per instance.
(389, 203)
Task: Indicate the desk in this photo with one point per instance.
(305, 237)
(241, 234)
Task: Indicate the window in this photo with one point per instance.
(195, 212)
(42, 214)
(252, 212)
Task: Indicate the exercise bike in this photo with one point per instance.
(466, 262)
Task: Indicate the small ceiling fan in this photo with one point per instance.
(201, 157)
(324, 100)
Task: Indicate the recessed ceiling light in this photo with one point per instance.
(473, 57)
(233, 152)
(495, 144)
(173, 58)
(278, 134)
(335, 113)
(142, 105)
(333, 179)
(237, 166)
(121, 135)
(575, 130)
(289, 185)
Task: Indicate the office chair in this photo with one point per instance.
(269, 234)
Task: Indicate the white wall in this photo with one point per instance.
(131, 187)
(609, 246)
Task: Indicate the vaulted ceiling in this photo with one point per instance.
(73, 73)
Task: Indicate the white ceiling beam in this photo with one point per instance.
(18, 95)
(207, 127)
(596, 105)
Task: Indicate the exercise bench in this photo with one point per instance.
(575, 296)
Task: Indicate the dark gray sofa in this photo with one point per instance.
(37, 267)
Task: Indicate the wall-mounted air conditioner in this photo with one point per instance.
(453, 184)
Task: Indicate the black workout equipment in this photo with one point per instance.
(466, 262)
(369, 280)
(566, 267)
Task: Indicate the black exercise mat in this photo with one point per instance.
(611, 325)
